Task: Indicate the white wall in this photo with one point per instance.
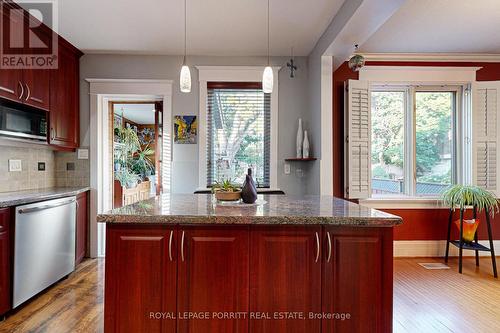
(293, 103)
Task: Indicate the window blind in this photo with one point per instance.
(238, 132)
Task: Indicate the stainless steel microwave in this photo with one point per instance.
(19, 121)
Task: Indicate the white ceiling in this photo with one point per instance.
(439, 26)
(215, 27)
(139, 113)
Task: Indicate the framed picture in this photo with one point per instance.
(185, 129)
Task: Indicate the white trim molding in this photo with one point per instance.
(431, 57)
(436, 248)
(419, 74)
(103, 91)
(235, 74)
(326, 160)
(402, 203)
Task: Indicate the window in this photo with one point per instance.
(413, 139)
(238, 132)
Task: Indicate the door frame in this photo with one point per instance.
(101, 92)
(158, 105)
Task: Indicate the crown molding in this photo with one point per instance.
(444, 57)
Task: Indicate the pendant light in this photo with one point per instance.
(185, 78)
(267, 76)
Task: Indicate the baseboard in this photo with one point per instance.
(435, 248)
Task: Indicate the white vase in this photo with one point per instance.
(300, 138)
(305, 146)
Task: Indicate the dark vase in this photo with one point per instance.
(249, 191)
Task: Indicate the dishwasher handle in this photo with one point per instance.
(39, 208)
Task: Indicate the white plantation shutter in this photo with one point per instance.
(357, 140)
(485, 134)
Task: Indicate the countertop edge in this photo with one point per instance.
(249, 220)
(43, 196)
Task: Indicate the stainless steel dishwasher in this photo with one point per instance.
(44, 246)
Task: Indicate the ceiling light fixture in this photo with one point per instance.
(267, 76)
(185, 78)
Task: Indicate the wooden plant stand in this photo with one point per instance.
(475, 246)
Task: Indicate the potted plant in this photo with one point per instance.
(126, 178)
(141, 162)
(226, 191)
(464, 196)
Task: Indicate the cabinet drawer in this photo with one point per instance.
(4, 219)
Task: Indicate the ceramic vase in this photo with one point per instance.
(249, 191)
(305, 146)
(300, 138)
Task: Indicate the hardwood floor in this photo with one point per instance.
(73, 305)
(424, 300)
(444, 300)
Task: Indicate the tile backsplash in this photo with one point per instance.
(56, 173)
(70, 171)
(29, 177)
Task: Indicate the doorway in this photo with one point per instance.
(101, 92)
(136, 151)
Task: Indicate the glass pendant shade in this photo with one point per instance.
(267, 80)
(185, 79)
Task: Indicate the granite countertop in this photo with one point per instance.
(17, 198)
(269, 209)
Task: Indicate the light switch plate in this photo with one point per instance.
(287, 168)
(15, 166)
(83, 154)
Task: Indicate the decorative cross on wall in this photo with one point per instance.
(292, 67)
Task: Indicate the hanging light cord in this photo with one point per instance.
(268, 33)
(185, 31)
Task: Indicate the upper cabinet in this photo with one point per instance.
(64, 100)
(53, 90)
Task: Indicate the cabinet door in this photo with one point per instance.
(357, 279)
(64, 114)
(213, 277)
(36, 88)
(10, 84)
(140, 279)
(285, 276)
(81, 227)
(5, 282)
(10, 79)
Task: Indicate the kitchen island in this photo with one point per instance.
(183, 263)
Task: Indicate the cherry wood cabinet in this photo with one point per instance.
(285, 277)
(11, 84)
(140, 279)
(82, 222)
(213, 268)
(64, 100)
(5, 261)
(357, 279)
(37, 88)
(53, 90)
(269, 278)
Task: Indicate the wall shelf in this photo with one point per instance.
(296, 159)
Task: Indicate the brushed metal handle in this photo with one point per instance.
(170, 245)
(22, 89)
(317, 247)
(39, 208)
(182, 246)
(329, 247)
(29, 92)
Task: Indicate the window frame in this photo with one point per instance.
(235, 74)
(458, 127)
(242, 86)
